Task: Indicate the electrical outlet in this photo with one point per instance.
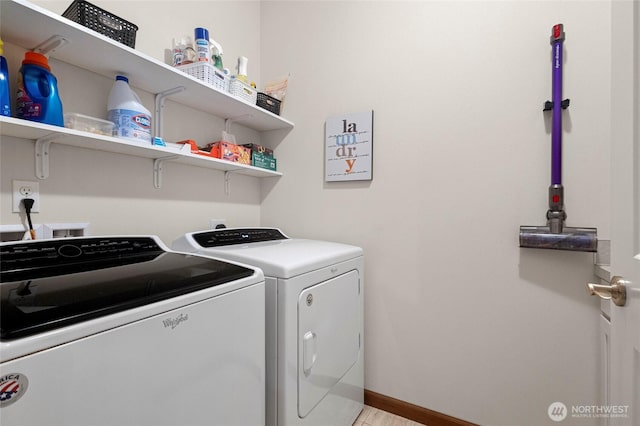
(216, 224)
(26, 189)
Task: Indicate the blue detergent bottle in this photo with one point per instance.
(5, 103)
(38, 98)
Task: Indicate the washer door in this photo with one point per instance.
(328, 337)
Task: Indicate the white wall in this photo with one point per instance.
(115, 193)
(459, 319)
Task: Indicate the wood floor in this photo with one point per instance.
(373, 417)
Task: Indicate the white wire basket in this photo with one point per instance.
(208, 73)
(243, 91)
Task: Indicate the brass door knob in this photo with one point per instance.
(617, 292)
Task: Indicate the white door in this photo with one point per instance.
(625, 211)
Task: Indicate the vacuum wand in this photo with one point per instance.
(557, 105)
(556, 235)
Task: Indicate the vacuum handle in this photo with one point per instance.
(557, 39)
(557, 33)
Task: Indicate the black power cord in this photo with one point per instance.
(28, 204)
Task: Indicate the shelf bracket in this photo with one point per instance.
(159, 106)
(229, 120)
(227, 182)
(42, 154)
(51, 44)
(157, 169)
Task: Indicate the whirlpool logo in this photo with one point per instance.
(12, 387)
(176, 321)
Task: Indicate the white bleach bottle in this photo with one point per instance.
(132, 120)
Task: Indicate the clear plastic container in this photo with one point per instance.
(88, 124)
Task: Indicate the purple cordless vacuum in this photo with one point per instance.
(556, 235)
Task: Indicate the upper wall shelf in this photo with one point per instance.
(27, 25)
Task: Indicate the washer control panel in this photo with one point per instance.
(34, 254)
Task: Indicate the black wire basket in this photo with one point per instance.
(268, 102)
(103, 22)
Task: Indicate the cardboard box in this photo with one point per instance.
(264, 161)
(231, 152)
(259, 148)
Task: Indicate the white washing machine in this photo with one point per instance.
(110, 331)
(314, 321)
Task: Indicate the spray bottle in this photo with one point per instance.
(242, 69)
(216, 54)
(5, 103)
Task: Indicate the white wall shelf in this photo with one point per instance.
(45, 134)
(149, 75)
(145, 72)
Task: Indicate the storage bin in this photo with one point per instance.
(103, 22)
(269, 103)
(242, 91)
(208, 73)
(88, 124)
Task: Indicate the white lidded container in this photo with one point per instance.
(131, 119)
(89, 124)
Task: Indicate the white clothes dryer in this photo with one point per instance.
(314, 320)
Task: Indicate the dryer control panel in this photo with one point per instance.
(228, 237)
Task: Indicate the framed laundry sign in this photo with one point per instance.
(349, 147)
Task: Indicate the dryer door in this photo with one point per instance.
(328, 337)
